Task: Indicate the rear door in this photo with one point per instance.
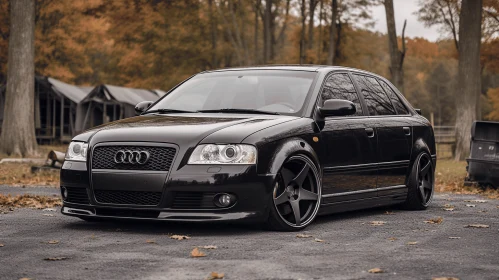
(348, 145)
(394, 133)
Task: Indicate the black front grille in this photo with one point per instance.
(193, 200)
(77, 195)
(127, 197)
(160, 159)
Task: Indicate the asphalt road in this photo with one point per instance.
(351, 247)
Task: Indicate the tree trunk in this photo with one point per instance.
(213, 24)
(18, 129)
(266, 31)
(302, 36)
(396, 56)
(468, 80)
(332, 33)
(320, 45)
(311, 16)
(255, 39)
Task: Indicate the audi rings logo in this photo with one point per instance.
(131, 157)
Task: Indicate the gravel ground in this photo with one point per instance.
(351, 247)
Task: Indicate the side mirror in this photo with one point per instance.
(142, 107)
(337, 107)
(418, 111)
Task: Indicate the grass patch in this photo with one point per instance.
(19, 174)
(449, 177)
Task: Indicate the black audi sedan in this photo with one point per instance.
(276, 145)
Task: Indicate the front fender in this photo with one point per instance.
(286, 148)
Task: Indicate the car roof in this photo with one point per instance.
(289, 67)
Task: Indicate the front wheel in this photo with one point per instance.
(421, 183)
(296, 196)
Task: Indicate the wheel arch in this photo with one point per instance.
(289, 147)
(419, 146)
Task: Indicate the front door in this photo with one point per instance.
(349, 147)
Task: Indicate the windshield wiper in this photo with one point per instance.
(163, 111)
(235, 110)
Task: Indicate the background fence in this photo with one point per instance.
(445, 138)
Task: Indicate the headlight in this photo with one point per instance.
(77, 151)
(223, 154)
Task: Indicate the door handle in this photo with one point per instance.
(407, 130)
(370, 132)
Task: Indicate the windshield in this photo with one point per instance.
(276, 91)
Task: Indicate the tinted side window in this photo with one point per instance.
(376, 100)
(401, 109)
(339, 86)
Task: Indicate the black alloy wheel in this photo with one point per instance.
(421, 183)
(296, 195)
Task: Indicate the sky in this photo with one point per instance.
(404, 9)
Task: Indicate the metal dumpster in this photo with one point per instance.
(483, 163)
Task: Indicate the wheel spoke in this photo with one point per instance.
(295, 205)
(287, 176)
(306, 195)
(421, 191)
(300, 178)
(281, 198)
(426, 185)
(425, 169)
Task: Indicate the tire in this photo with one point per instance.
(297, 189)
(420, 183)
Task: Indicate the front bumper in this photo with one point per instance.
(252, 192)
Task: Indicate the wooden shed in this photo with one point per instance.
(106, 103)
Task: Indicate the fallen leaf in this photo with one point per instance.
(209, 247)
(412, 243)
(476, 201)
(375, 270)
(437, 220)
(389, 213)
(301, 235)
(445, 278)
(482, 211)
(1, 245)
(48, 215)
(470, 205)
(377, 223)
(318, 240)
(24, 278)
(454, 237)
(196, 253)
(53, 242)
(392, 239)
(55, 259)
(477, 226)
(151, 241)
(448, 209)
(216, 275)
(179, 237)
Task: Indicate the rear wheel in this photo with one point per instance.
(296, 196)
(421, 183)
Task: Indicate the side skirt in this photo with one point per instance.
(352, 205)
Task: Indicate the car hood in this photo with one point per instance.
(182, 129)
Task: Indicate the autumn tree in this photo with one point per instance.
(396, 56)
(470, 19)
(18, 129)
